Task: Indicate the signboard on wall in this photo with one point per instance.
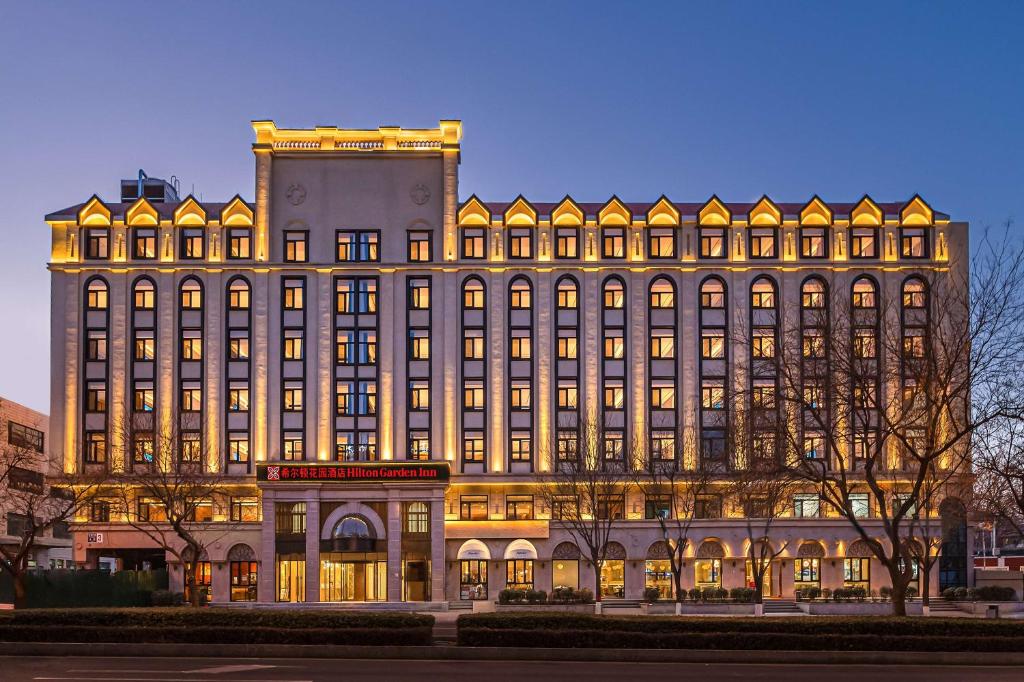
(354, 472)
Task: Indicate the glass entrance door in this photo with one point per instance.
(347, 580)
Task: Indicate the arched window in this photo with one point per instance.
(812, 294)
(614, 294)
(762, 294)
(520, 294)
(915, 293)
(865, 294)
(238, 295)
(712, 294)
(417, 518)
(351, 527)
(567, 294)
(473, 294)
(96, 295)
(191, 295)
(144, 295)
(663, 294)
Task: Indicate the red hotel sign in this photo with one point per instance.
(368, 472)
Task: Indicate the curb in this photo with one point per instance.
(456, 653)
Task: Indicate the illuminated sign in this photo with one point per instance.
(355, 472)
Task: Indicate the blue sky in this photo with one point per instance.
(591, 99)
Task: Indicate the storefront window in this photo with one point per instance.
(766, 586)
(244, 579)
(565, 573)
(857, 571)
(613, 578)
(473, 579)
(807, 571)
(204, 575)
(291, 577)
(708, 572)
(658, 573)
(519, 574)
(353, 576)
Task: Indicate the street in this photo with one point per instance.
(89, 669)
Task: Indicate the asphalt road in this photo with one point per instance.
(88, 669)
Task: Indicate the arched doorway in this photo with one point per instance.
(353, 562)
(953, 557)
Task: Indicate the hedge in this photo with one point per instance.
(554, 624)
(402, 636)
(215, 618)
(614, 639)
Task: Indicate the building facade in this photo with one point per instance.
(381, 374)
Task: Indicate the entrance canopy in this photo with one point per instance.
(520, 549)
(474, 549)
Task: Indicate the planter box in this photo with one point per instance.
(867, 608)
(545, 608)
(978, 608)
(699, 609)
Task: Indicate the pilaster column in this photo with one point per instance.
(313, 546)
(394, 524)
(437, 563)
(266, 590)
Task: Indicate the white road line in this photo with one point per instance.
(216, 670)
(156, 679)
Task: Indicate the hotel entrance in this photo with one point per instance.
(349, 576)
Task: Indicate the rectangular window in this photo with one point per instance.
(292, 396)
(473, 243)
(191, 396)
(143, 243)
(520, 347)
(419, 293)
(238, 447)
(663, 344)
(419, 344)
(367, 347)
(95, 447)
(238, 345)
(614, 396)
(239, 244)
(712, 444)
(420, 246)
(860, 505)
(345, 398)
(97, 244)
(712, 242)
(191, 345)
(473, 508)
(144, 346)
(290, 518)
(913, 242)
(567, 242)
(244, 580)
(857, 570)
(612, 446)
(191, 447)
(366, 398)
(295, 247)
(521, 446)
(568, 394)
(473, 449)
(663, 396)
(99, 511)
(712, 344)
(864, 343)
(293, 449)
(143, 448)
(663, 445)
(192, 243)
(520, 243)
(806, 505)
(419, 395)
(293, 290)
(813, 242)
(519, 507)
(238, 396)
(657, 506)
(473, 395)
(613, 242)
(419, 445)
(353, 246)
(763, 343)
(614, 344)
(292, 341)
(567, 344)
(661, 242)
(567, 441)
(473, 298)
(763, 395)
(610, 507)
(813, 344)
(96, 396)
(96, 346)
(864, 242)
(707, 507)
(913, 343)
(762, 242)
(473, 344)
(519, 395)
(143, 399)
(814, 446)
(22, 436)
(712, 395)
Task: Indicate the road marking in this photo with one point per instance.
(216, 670)
(156, 679)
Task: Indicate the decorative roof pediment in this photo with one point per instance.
(614, 213)
(520, 213)
(236, 212)
(816, 212)
(714, 212)
(141, 214)
(663, 213)
(765, 213)
(567, 214)
(474, 212)
(95, 212)
(867, 212)
(917, 212)
(189, 212)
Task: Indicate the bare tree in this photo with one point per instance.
(999, 463)
(586, 489)
(680, 480)
(884, 390)
(168, 492)
(35, 504)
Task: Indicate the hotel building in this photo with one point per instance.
(379, 372)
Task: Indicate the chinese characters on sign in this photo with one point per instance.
(428, 472)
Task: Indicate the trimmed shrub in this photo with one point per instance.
(408, 636)
(536, 596)
(694, 593)
(911, 591)
(167, 598)
(743, 595)
(585, 596)
(652, 594)
(215, 617)
(885, 592)
(713, 594)
(994, 593)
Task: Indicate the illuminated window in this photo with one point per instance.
(292, 344)
(520, 243)
(419, 445)
(762, 294)
(813, 242)
(191, 296)
(864, 345)
(712, 395)
(145, 295)
(419, 344)
(143, 448)
(417, 518)
(661, 242)
(614, 344)
(292, 396)
(520, 446)
(295, 247)
(191, 447)
(614, 295)
(473, 395)
(763, 343)
(192, 243)
(663, 445)
(366, 398)
(712, 344)
(95, 447)
(520, 395)
(814, 446)
(473, 344)
(420, 246)
(293, 294)
(345, 398)
(473, 243)
(567, 450)
(712, 295)
(520, 344)
(97, 244)
(96, 295)
(567, 242)
(239, 243)
(568, 394)
(473, 295)
(864, 242)
(238, 396)
(238, 345)
(913, 242)
(712, 242)
(663, 344)
(357, 246)
(806, 505)
(143, 243)
(191, 396)
(293, 449)
(95, 396)
(614, 396)
(567, 295)
(612, 450)
(567, 344)
(863, 294)
(519, 295)
(473, 507)
(96, 345)
(812, 295)
(914, 294)
(663, 296)
(663, 396)
(762, 242)
(419, 294)
(473, 451)
(238, 295)
(238, 447)
(613, 242)
(143, 399)
(419, 395)
(519, 507)
(191, 345)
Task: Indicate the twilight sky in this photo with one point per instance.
(637, 99)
